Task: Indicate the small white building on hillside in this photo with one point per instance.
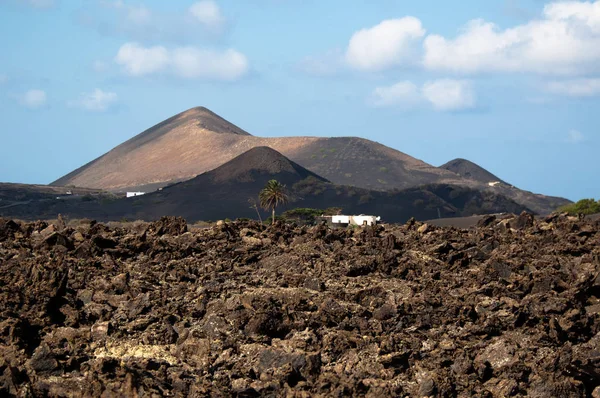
(132, 194)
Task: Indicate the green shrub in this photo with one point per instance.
(584, 206)
(332, 211)
(302, 215)
(269, 220)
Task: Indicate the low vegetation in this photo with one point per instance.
(584, 206)
(308, 215)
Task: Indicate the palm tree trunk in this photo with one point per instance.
(258, 213)
(273, 217)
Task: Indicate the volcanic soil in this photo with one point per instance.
(508, 308)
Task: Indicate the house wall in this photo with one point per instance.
(343, 221)
(340, 219)
(360, 220)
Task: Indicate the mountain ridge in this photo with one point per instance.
(471, 170)
(185, 146)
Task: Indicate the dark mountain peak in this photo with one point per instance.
(466, 168)
(261, 160)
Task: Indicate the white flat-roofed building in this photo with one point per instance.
(343, 221)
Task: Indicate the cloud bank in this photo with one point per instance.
(184, 62)
(443, 95)
(96, 101)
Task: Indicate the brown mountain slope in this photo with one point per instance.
(367, 164)
(197, 141)
(141, 160)
(468, 169)
(260, 160)
(541, 204)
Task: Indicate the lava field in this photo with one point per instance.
(508, 308)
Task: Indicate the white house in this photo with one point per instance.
(132, 194)
(362, 219)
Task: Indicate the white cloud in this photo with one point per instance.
(575, 137)
(138, 60)
(190, 62)
(575, 87)
(403, 94)
(97, 101)
(449, 95)
(385, 45)
(33, 99)
(186, 62)
(143, 23)
(207, 12)
(443, 95)
(566, 40)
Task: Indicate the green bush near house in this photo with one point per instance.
(308, 215)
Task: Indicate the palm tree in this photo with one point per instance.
(254, 205)
(273, 195)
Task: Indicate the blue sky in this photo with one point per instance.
(513, 85)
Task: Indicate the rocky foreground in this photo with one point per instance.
(510, 308)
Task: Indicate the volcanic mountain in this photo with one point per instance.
(468, 169)
(231, 190)
(197, 140)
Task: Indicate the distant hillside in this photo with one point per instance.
(485, 180)
(367, 164)
(32, 202)
(197, 141)
(228, 191)
(468, 169)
